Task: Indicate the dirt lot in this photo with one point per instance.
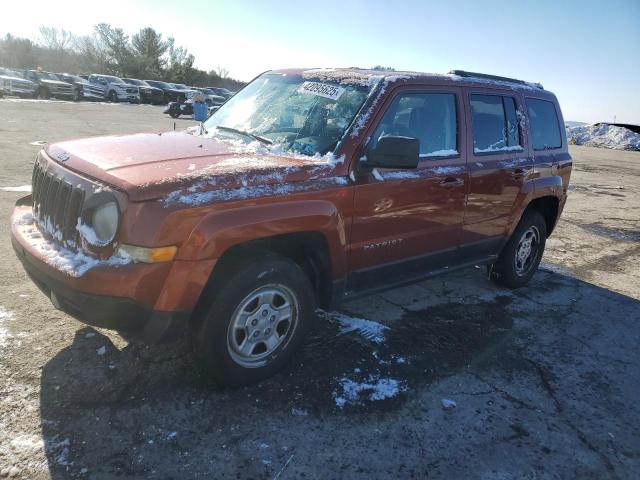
(545, 380)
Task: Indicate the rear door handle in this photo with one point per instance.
(452, 182)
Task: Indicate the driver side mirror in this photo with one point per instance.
(394, 152)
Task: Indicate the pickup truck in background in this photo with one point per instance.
(116, 89)
(49, 85)
(305, 188)
(13, 84)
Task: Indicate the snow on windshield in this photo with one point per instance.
(295, 114)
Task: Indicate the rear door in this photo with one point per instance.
(498, 167)
(408, 222)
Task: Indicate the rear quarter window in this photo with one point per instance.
(545, 128)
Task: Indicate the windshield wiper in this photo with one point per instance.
(266, 141)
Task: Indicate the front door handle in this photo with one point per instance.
(452, 182)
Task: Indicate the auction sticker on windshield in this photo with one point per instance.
(322, 90)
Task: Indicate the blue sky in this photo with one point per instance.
(586, 52)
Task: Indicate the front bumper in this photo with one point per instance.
(134, 297)
(128, 97)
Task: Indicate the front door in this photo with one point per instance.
(409, 222)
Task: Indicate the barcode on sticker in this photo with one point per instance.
(322, 90)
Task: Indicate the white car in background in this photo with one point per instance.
(116, 90)
(12, 83)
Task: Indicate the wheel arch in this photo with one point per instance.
(308, 249)
(311, 233)
(548, 206)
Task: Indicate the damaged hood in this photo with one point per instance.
(151, 165)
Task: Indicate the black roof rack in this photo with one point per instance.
(463, 73)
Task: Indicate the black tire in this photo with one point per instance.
(113, 97)
(43, 94)
(512, 271)
(174, 114)
(216, 338)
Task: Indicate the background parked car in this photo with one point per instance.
(116, 89)
(223, 92)
(12, 83)
(148, 94)
(82, 88)
(212, 98)
(171, 94)
(49, 85)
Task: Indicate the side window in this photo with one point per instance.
(495, 124)
(429, 117)
(545, 129)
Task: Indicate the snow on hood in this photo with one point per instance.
(603, 135)
(154, 165)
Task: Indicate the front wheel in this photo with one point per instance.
(519, 259)
(113, 97)
(256, 321)
(174, 114)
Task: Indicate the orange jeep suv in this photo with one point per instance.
(306, 188)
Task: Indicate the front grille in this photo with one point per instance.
(56, 204)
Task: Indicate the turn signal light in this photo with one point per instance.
(149, 255)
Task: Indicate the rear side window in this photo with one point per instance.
(429, 117)
(495, 124)
(545, 129)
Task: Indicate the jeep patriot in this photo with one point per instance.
(306, 188)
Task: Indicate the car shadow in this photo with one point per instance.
(103, 408)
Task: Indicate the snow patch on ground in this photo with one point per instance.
(603, 135)
(4, 332)
(21, 188)
(373, 389)
(372, 331)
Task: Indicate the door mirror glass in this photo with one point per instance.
(394, 152)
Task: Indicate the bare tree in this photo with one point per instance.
(222, 72)
(56, 38)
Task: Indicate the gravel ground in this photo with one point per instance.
(467, 380)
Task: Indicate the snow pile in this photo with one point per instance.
(603, 135)
(373, 389)
(73, 263)
(89, 234)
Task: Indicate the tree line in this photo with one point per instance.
(108, 50)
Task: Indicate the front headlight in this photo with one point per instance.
(100, 218)
(105, 222)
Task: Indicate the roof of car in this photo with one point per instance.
(361, 76)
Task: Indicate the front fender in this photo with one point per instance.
(219, 231)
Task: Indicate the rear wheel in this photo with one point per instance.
(519, 259)
(256, 321)
(113, 96)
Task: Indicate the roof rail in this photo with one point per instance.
(463, 73)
